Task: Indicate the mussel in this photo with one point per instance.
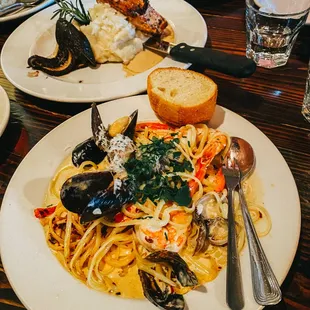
(87, 151)
(166, 299)
(73, 52)
(107, 202)
(78, 190)
(184, 275)
(94, 149)
(95, 194)
(102, 135)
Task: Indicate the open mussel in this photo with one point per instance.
(73, 52)
(95, 148)
(166, 299)
(125, 126)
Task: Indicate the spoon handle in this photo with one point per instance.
(266, 288)
(234, 293)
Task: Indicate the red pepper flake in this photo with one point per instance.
(119, 217)
(41, 213)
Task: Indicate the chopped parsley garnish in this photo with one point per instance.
(147, 173)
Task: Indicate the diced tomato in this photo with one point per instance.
(119, 217)
(41, 213)
(151, 125)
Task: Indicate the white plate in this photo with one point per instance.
(41, 282)
(4, 110)
(27, 11)
(107, 82)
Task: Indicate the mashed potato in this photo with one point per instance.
(111, 36)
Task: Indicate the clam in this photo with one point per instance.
(212, 227)
(73, 52)
(218, 231)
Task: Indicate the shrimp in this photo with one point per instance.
(213, 148)
(169, 237)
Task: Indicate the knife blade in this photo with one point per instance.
(235, 65)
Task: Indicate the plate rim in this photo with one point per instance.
(7, 109)
(23, 13)
(134, 90)
(46, 137)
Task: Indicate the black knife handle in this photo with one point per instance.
(235, 65)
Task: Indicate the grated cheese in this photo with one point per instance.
(102, 138)
(119, 150)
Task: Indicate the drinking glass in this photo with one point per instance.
(272, 27)
(306, 104)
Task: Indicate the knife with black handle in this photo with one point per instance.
(235, 65)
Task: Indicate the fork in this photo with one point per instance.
(234, 291)
(18, 6)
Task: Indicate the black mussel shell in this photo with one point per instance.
(107, 202)
(100, 133)
(161, 299)
(184, 275)
(131, 128)
(78, 190)
(68, 36)
(74, 52)
(87, 150)
(62, 64)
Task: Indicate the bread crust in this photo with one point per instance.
(177, 114)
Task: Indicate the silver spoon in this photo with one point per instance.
(266, 288)
(18, 6)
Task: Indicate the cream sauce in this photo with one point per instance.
(147, 59)
(206, 267)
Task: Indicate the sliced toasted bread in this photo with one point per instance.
(181, 96)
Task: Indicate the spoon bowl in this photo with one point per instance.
(243, 152)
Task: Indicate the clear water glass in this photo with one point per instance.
(306, 104)
(272, 27)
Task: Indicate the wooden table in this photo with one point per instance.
(270, 99)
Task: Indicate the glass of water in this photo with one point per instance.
(272, 28)
(306, 105)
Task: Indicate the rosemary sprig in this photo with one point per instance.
(77, 11)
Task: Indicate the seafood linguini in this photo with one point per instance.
(134, 230)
